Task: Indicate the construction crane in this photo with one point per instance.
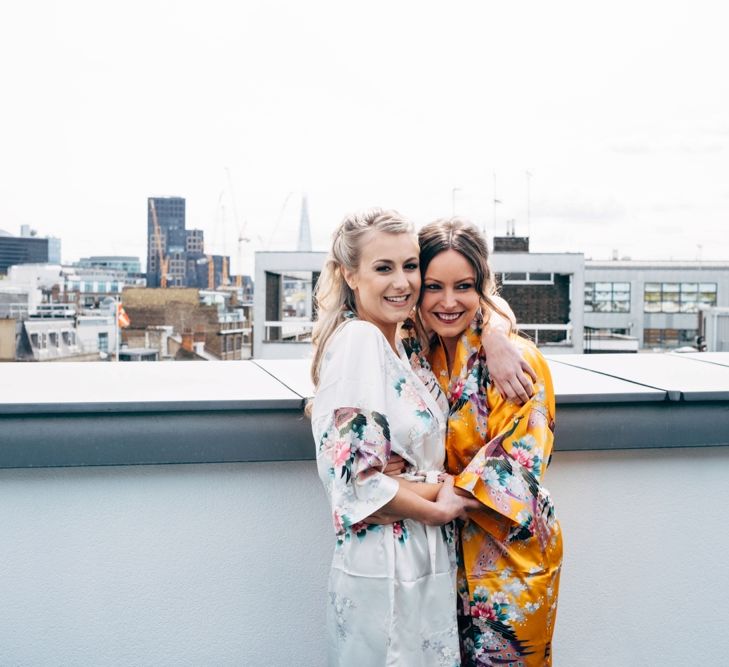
(161, 259)
(241, 237)
(225, 279)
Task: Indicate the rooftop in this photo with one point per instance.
(112, 563)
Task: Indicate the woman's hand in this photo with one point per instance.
(452, 506)
(438, 504)
(396, 465)
(508, 371)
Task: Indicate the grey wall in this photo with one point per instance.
(226, 564)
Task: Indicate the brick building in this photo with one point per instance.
(545, 291)
(164, 318)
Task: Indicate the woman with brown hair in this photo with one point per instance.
(510, 550)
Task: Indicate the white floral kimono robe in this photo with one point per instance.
(391, 587)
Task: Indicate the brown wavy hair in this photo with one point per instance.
(464, 237)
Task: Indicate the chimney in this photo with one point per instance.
(511, 244)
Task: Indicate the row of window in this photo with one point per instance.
(100, 287)
(669, 337)
(657, 297)
(529, 277)
(42, 341)
(607, 297)
(233, 343)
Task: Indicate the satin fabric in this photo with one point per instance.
(510, 553)
(392, 588)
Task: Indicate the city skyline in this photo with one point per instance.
(616, 124)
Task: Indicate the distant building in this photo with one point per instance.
(130, 265)
(57, 334)
(138, 354)
(713, 329)
(544, 290)
(51, 283)
(304, 243)
(54, 250)
(166, 217)
(657, 302)
(207, 271)
(194, 241)
(209, 324)
(183, 250)
(22, 250)
(283, 303)
(54, 244)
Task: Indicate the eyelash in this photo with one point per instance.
(407, 267)
(461, 287)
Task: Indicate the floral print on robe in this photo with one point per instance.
(510, 553)
(392, 588)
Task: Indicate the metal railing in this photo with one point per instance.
(291, 330)
(536, 328)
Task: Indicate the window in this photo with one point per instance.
(529, 277)
(678, 297)
(53, 339)
(607, 297)
(669, 337)
(289, 306)
(103, 340)
(707, 294)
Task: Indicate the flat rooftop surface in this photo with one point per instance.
(689, 377)
(283, 383)
(571, 384)
(140, 386)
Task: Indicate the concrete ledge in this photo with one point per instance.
(100, 414)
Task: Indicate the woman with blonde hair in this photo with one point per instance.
(392, 596)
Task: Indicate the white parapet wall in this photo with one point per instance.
(226, 564)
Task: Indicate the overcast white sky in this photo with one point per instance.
(619, 110)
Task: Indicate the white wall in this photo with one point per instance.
(226, 564)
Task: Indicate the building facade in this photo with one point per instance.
(166, 234)
(22, 250)
(656, 302)
(544, 290)
(130, 265)
(180, 250)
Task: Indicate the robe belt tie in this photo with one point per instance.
(432, 532)
(428, 476)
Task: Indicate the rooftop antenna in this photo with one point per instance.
(453, 201)
(496, 201)
(528, 202)
(280, 218)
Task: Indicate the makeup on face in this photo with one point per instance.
(450, 298)
(387, 283)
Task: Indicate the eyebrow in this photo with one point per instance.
(389, 261)
(462, 280)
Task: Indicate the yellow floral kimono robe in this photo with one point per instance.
(510, 553)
